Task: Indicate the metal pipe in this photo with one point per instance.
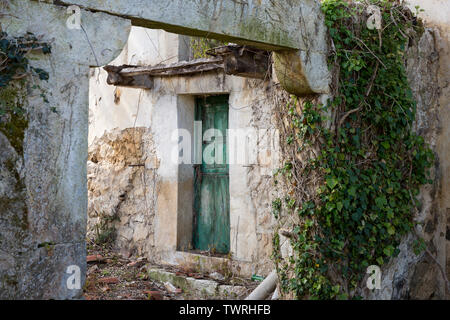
(266, 287)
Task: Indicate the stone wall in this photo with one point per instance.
(260, 176)
(428, 69)
(43, 192)
(122, 190)
(411, 276)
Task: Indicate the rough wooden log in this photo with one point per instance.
(233, 59)
(245, 62)
(171, 72)
(143, 81)
(172, 69)
(142, 76)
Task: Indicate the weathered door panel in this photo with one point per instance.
(211, 203)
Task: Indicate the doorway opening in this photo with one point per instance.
(211, 177)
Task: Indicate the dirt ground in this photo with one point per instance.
(112, 277)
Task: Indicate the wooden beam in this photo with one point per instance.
(183, 67)
(143, 81)
(244, 61)
(142, 76)
(232, 59)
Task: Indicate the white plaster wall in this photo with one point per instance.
(144, 47)
(155, 109)
(436, 11)
(243, 94)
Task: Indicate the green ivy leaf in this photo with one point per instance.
(380, 261)
(381, 202)
(332, 182)
(391, 230)
(389, 251)
(352, 191)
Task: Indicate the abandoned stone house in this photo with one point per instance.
(145, 199)
(119, 159)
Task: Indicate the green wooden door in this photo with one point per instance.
(212, 199)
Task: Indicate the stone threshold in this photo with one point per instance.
(201, 288)
(208, 263)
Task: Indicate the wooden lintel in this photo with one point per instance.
(244, 61)
(234, 60)
(172, 69)
(142, 76)
(115, 78)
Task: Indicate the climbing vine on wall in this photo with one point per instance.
(200, 46)
(15, 70)
(353, 165)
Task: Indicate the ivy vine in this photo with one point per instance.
(200, 46)
(354, 165)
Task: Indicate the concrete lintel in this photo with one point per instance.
(294, 29)
(264, 23)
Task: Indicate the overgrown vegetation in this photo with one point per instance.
(15, 70)
(353, 165)
(105, 232)
(200, 46)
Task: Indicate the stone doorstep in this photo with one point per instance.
(208, 264)
(209, 288)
